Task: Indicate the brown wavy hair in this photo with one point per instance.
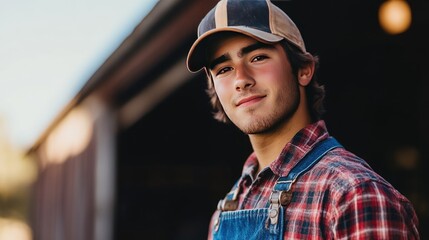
(315, 92)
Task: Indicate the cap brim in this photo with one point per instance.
(196, 59)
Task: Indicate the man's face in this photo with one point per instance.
(254, 83)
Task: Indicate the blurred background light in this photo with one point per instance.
(407, 157)
(11, 229)
(71, 136)
(17, 171)
(395, 16)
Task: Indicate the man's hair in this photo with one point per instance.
(314, 91)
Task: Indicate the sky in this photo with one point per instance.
(48, 51)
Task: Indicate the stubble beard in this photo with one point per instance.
(266, 123)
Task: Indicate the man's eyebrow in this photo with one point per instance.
(242, 52)
(253, 47)
(219, 60)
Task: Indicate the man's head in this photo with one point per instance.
(265, 23)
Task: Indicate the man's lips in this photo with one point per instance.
(249, 100)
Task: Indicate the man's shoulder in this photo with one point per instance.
(343, 169)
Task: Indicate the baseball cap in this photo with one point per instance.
(260, 19)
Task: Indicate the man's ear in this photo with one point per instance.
(305, 74)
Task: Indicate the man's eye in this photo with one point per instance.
(259, 58)
(223, 70)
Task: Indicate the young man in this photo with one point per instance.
(299, 183)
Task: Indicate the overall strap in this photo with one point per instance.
(306, 163)
(230, 203)
(281, 194)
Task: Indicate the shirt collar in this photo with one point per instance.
(295, 150)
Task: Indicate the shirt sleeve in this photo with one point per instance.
(374, 210)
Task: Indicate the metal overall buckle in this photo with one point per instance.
(277, 199)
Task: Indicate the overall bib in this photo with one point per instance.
(265, 223)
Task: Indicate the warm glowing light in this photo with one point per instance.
(17, 171)
(395, 16)
(407, 157)
(14, 229)
(70, 137)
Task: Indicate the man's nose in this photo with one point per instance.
(243, 78)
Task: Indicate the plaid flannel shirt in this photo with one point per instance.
(341, 197)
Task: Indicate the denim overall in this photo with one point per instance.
(265, 223)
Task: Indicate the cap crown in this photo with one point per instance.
(249, 13)
(259, 19)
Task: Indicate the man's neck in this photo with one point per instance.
(268, 146)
